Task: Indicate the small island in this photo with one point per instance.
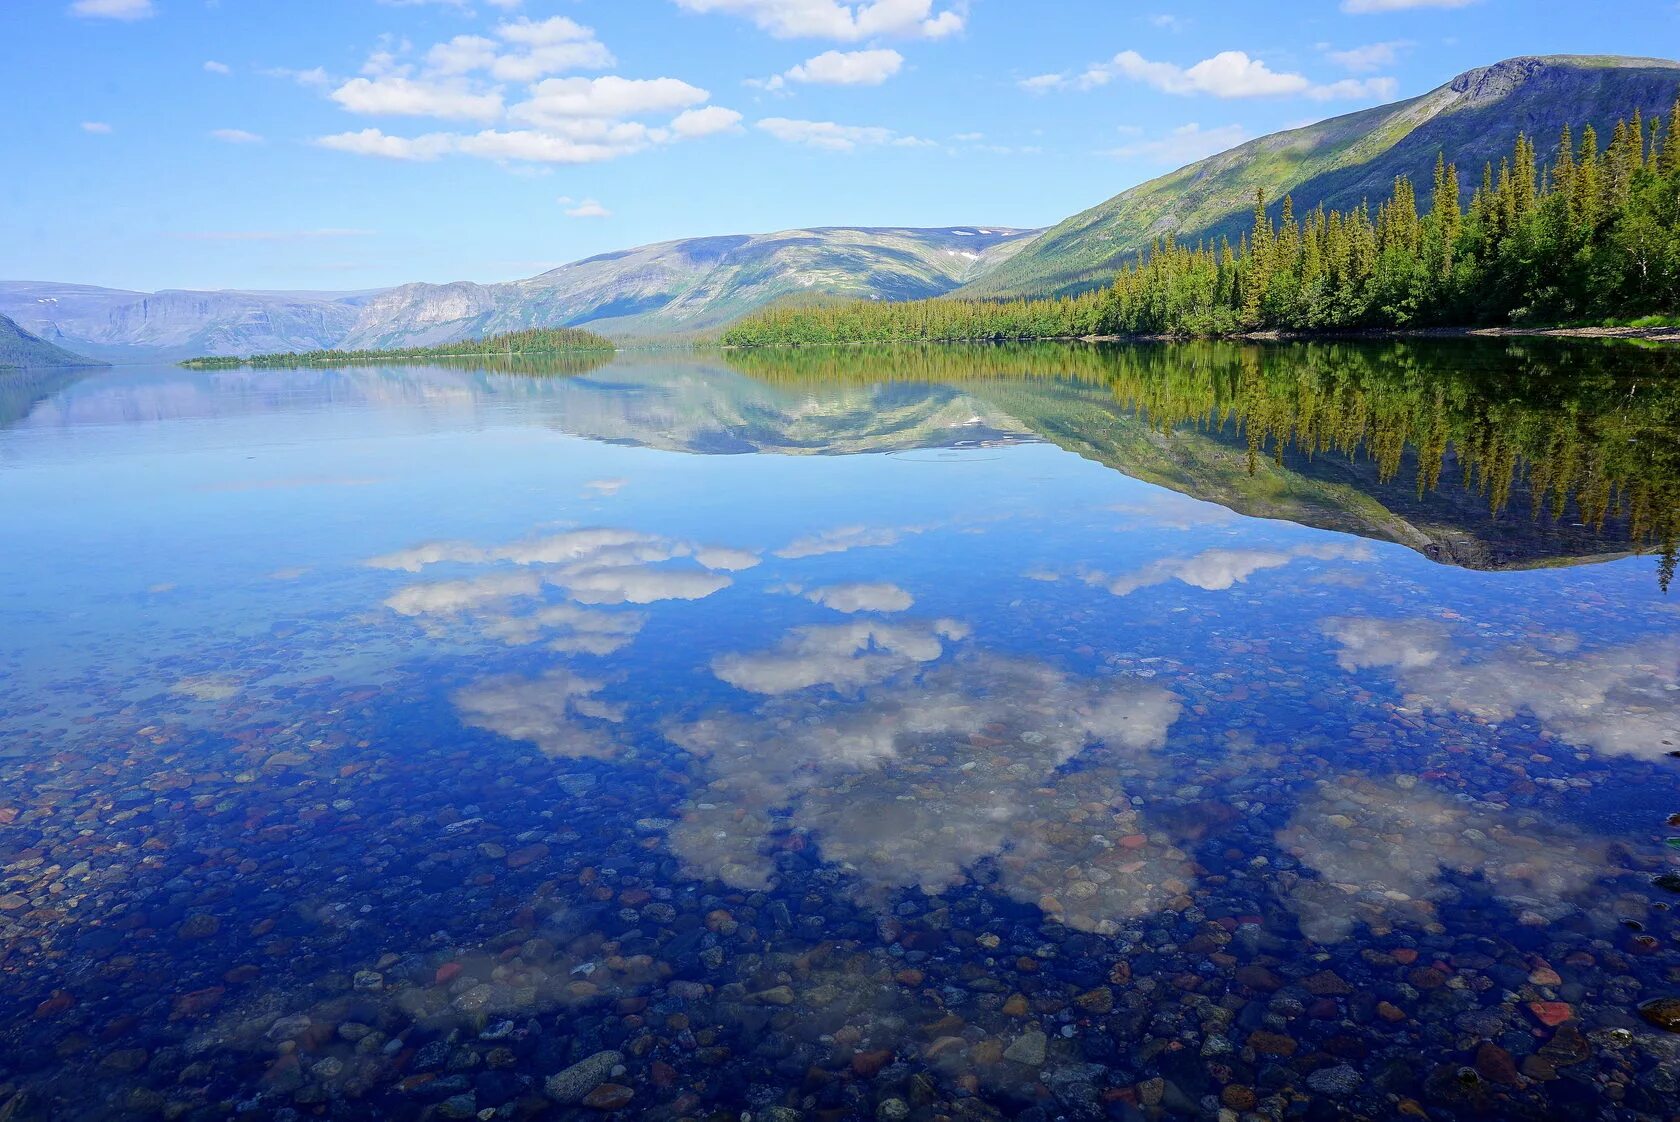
(536, 341)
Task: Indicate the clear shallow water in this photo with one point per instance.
(1056, 733)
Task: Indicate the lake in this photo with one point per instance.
(1202, 730)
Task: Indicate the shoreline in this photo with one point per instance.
(1668, 334)
(1665, 334)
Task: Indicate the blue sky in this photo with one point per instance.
(346, 144)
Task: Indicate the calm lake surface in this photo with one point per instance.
(1192, 731)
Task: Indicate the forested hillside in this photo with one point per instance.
(1339, 162)
(1594, 236)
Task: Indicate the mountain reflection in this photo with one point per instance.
(1485, 455)
(1479, 454)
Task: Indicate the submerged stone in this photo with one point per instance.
(1664, 1012)
(571, 1085)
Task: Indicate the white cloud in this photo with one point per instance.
(462, 54)
(835, 137)
(523, 50)
(313, 78)
(1184, 145)
(1366, 7)
(562, 99)
(273, 236)
(113, 9)
(372, 142)
(236, 136)
(708, 121)
(848, 68)
(587, 208)
(98, 128)
(570, 143)
(570, 120)
(1373, 56)
(463, 5)
(394, 95)
(558, 141)
(1044, 83)
(1229, 74)
(547, 47)
(846, 22)
(1356, 89)
(218, 68)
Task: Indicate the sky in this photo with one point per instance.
(352, 144)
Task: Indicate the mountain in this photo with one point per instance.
(1473, 119)
(691, 286)
(680, 287)
(164, 326)
(669, 288)
(21, 349)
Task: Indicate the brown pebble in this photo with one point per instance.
(1238, 1097)
(1099, 1001)
(1495, 1064)
(609, 1096)
(1272, 1043)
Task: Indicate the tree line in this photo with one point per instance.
(1589, 235)
(536, 341)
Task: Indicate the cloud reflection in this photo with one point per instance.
(845, 656)
(557, 711)
(1624, 700)
(1215, 570)
(1386, 855)
(859, 596)
(916, 781)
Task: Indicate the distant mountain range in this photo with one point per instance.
(688, 287)
(672, 288)
(19, 349)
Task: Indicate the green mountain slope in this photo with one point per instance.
(20, 349)
(1340, 162)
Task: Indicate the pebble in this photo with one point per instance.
(1663, 1012)
(1028, 1048)
(1338, 1080)
(571, 1085)
(609, 1096)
